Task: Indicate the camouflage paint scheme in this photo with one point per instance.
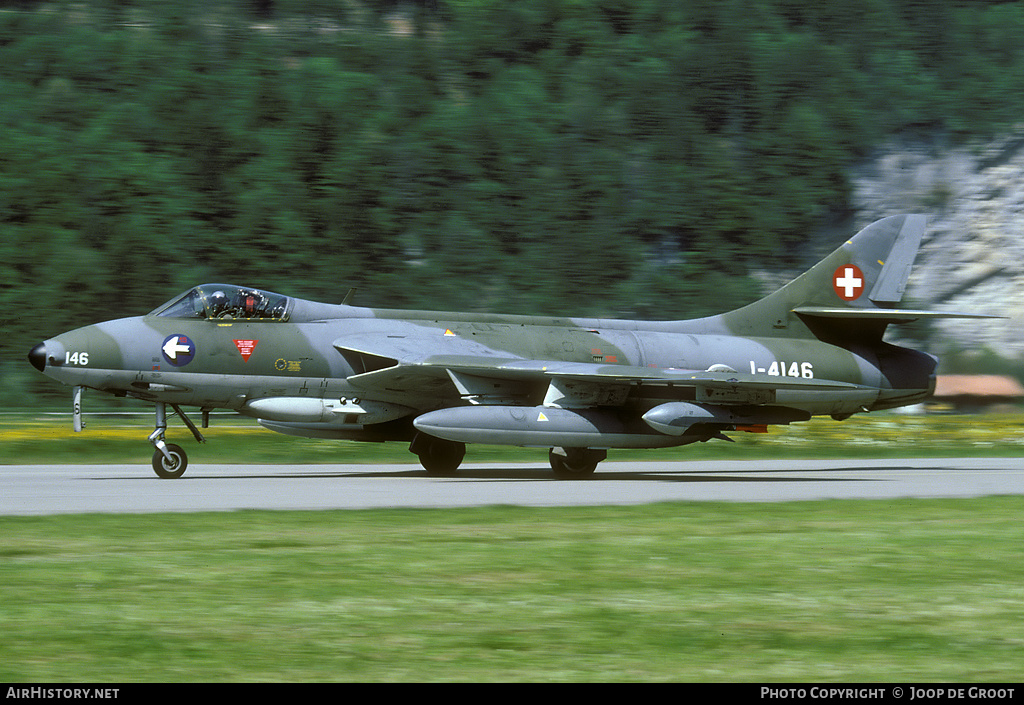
(575, 385)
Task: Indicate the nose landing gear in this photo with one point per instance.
(169, 459)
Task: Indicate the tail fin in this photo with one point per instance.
(850, 294)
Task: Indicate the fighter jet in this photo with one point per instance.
(576, 386)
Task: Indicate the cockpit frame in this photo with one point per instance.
(226, 302)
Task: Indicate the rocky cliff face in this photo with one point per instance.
(972, 255)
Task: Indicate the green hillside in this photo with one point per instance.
(581, 157)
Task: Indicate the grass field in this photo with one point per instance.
(926, 590)
(838, 591)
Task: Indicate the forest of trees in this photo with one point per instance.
(584, 157)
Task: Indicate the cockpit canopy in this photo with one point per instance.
(226, 302)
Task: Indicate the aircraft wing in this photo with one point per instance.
(695, 385)
(483, 376)
(420, 364)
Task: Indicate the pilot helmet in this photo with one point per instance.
(218, 300)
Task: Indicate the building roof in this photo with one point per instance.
(978, 386)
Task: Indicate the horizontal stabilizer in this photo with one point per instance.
(889, 315)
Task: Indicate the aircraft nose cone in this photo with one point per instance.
(37, 356)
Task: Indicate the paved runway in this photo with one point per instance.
(54, 489)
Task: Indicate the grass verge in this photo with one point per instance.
(851, 591)
(901, 590)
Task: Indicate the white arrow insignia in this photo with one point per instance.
(171, 348)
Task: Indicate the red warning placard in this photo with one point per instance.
(245, 347)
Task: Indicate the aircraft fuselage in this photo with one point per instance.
(226, 364)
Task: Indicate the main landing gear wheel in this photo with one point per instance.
(575, 463)
(438, 456)
(173, 467)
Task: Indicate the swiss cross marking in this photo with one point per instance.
(848, 281)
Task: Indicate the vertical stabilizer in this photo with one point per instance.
(861, 279)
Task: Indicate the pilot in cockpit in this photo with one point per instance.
(218, 302)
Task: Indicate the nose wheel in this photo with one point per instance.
(169, 459)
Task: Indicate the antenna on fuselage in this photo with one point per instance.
(347, 301)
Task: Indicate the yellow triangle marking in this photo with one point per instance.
(542, 417)
(448, 331)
